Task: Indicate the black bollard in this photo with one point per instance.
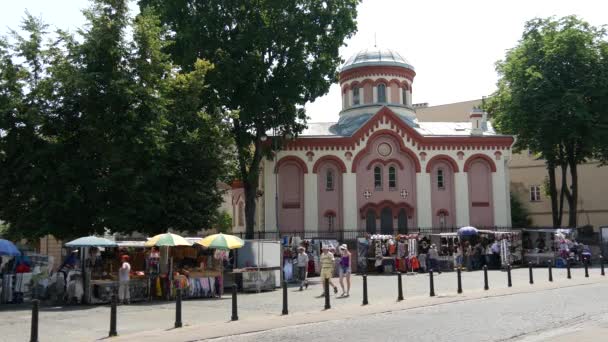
(602, 265)
(550, 270)
(509, 283)
(431, 283)
(459, 276)
(365, 302)
(235, 316)
(326, 286)
(586, 270)
(178, 308)
(34, 331)
(531, 275)
(113, 331)
(568, 269)
(399, 287)
(285, 311)
(485, 278)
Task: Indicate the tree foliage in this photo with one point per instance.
(553, 94)
(103, 133)
(271, 57)
(520, 216)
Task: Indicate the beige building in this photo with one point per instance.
(528, 175)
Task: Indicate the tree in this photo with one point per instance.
(223, 222)
(552, 93)
(520, 217)
(103, 133)
(270, 58)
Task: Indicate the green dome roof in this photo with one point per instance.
(375, 56)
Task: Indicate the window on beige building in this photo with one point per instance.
(535, 193)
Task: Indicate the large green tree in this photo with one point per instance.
(271, 57)
(104, 133)
(553, 93)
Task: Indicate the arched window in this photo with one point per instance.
(404, 95)
(381, 93)
(378, 178)
(356, 96)
(329, 180)
(331, 222)
(442, 220)
(440, 180)
(241, 213)
(392, 178)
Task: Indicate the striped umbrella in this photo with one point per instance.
(221, 241)
(167, 239)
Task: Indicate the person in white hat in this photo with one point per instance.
(327, 268)
(345, 269)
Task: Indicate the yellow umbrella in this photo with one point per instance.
(221, 241)
(167, 239)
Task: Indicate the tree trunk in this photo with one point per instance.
(573, 200)
(553, 194)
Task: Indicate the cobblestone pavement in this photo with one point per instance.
(86, 323)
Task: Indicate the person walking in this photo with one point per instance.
(434, 259)
(302, 267)
(124, 295)
(327, 268)
(458, 256)
(345, 269)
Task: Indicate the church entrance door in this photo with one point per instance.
(370, 222)
(386, 221)
(402, 222)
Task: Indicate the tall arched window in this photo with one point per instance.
(442, 219)
(241, 213)
(331, 222)
(404, 95)
(392, 178)
(378, 178)
(440, 179)
(356, 96)
(381, 93)
(329, 180)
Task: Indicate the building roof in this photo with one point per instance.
(376, 56)
(347, 126)
(452, 112)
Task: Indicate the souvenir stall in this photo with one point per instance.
(258, 266)
(510, 248)
(541, 246)
(387, 253)
(221, 245)
(197, 271)
(9, 284)
(164, 247)
(95, 279)
(446, 244)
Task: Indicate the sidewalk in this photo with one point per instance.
(379, 302)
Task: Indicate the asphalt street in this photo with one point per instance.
(540, 316)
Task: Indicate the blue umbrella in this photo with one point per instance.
(467, 231)
(8, 248)
(91, 241)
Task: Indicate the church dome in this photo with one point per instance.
(376, 57)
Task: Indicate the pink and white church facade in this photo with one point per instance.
(379, 169)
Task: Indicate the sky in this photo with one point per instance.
(453, 45)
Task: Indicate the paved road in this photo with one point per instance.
(530, 317)
(87, 323)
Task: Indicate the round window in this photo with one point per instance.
(384, 149)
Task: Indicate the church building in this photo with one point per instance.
(379, 169)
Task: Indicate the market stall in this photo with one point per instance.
(163, 280)
(221, 245)
(543, 246)
(9, 284)
(258, 266)
(388, 253)
(96, 281)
